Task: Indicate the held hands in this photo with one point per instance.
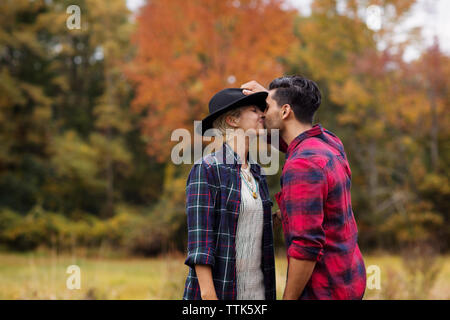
(276, 217)
(252, 87)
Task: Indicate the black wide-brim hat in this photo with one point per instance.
(228, 99)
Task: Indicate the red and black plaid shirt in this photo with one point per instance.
(317, 216)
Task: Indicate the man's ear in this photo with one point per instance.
(285, 111)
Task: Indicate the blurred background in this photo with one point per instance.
(89, 99)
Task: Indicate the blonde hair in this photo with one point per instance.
(221, 124)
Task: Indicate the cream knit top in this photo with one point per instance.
(249, 276)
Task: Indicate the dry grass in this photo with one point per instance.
(42, 275)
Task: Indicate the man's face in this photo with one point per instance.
(272, 113)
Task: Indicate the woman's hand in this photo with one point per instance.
(209, 295)
(205, 280)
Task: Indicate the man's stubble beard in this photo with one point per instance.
(269, 127)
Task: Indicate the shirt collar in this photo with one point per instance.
(234, 159)
(316, 130)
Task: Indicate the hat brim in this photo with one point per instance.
(257, 99)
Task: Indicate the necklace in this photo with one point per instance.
(246, 178)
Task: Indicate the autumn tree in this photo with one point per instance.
(368, 101)
(91, 102)
(188, 50)
(67, 135)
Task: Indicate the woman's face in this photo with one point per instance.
(251, 120)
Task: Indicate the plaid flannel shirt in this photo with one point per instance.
(317, 217)
(213, 196)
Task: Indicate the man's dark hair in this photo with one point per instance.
(301, 94)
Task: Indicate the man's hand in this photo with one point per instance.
(252, 87)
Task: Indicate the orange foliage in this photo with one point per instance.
(188, 50)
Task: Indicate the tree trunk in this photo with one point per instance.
(434, 131)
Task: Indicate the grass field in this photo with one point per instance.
(42, 275)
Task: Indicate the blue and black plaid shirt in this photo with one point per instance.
(213, 196)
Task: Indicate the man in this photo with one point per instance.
(324, 260)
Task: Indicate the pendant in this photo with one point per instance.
(255, 195)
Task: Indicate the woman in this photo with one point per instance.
(230, 240)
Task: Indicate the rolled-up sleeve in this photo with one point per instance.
(304, 192)
(200, 200)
